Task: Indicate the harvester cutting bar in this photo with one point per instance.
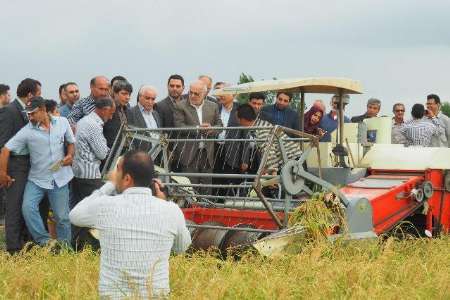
(250, 199)
(212, 175)
(210, 185)
(248, 229)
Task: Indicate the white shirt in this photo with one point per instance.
(224, 116)
(137, 232)
(148, 117)
(199, 110)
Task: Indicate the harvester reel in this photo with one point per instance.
(291, 181)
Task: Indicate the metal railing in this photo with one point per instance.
(225, 167)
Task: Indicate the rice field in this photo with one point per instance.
(375, 269)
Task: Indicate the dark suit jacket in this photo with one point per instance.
(232, 150)
(359, 119)
(12, 119)
(112, 127)
(136, 119)
(165, 109)
(186, 116)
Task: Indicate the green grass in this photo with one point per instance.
(393, 269)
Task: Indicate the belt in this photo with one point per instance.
(19, 156)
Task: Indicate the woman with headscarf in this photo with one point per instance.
(311, 121)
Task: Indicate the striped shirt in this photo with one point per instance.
(418, 132)
(80, 109)
(137, 233)
(90, 147)
(275, 159)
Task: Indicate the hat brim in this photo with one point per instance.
(30, 110)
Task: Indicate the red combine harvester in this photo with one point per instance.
(380, 184)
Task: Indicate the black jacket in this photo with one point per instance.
(12, 119)
(112, 127)
(359, 119)
(166, 110)
(136, 119)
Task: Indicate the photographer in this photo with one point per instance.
(419, 131)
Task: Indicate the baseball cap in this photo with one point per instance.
(34, 104)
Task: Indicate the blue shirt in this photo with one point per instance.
(329, 124)
(65, 110)
(286, 117)
(46, 148)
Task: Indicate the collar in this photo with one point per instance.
(138, 190)
(277, 109)
(223, 108)
(21, 103)
(97, 118)
(121, 107)
(197, 107)
(142, 109)
(38, 125)
(395, 123)
(173, 100)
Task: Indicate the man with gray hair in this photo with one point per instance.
(143, 115)
(373, 108)
(397, 124)
(196, 111)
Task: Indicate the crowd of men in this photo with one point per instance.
(56, 152)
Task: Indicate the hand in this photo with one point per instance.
(5, 180)
(206, 125)
(321, 132)
(67, 161)
(158, 186)
(244, 168)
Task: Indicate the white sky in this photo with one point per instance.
(399, 50)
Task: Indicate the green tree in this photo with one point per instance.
(244, 78)
(446, 108)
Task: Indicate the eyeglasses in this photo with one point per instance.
(149, 98)
(399, 110)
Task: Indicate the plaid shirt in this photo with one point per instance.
(137, 233)
(418, 132)
(80, 109)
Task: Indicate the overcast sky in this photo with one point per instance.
(398, 50)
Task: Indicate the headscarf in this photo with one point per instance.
(308, 126)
